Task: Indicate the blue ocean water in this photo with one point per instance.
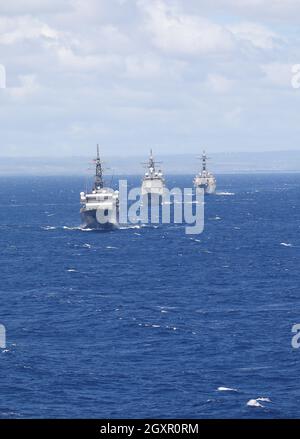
(150, 322)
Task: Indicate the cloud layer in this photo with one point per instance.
(131, 74)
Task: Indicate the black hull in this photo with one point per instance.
(89, 221)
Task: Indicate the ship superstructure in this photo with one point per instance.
(205, 179)
(100, 207)
(153, 181)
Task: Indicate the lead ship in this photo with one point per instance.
(153, 181)
(205, 180)
(100, 207)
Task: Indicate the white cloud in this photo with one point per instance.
(159, 70)
(19, 7)
(98, 63)
(259, 36)
(143, 67)
(14, 30)
(262, 10)
(28, 86)
(150, 66)
(219, 84)
(279, 74)
(176, 32)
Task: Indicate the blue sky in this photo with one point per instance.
(175, 75)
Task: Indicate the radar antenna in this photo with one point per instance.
(204, 161)
(151, 164)
(99, 172)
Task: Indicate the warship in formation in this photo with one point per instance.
(100, 207)
(153, 181)
(205, 179)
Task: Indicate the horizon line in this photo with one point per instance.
(142, 155)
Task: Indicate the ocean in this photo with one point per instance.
(148, 322)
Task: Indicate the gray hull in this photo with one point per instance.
(208, 189)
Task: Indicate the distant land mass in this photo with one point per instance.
(219, 163)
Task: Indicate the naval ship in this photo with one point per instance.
(153, 181)
(100, 207)
(205, 180)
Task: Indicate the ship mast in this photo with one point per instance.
(204, 159)
(99, 173)
(151, 164)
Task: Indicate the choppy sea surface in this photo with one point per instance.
(150, 322)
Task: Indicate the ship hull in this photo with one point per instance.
(90, 220)
(209, 187)
(153, 187)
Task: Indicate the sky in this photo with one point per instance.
(174, 75)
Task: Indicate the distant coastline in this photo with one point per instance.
(177, 164)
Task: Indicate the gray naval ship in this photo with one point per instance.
(153, 181)
(205, 179)
(100, 207)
